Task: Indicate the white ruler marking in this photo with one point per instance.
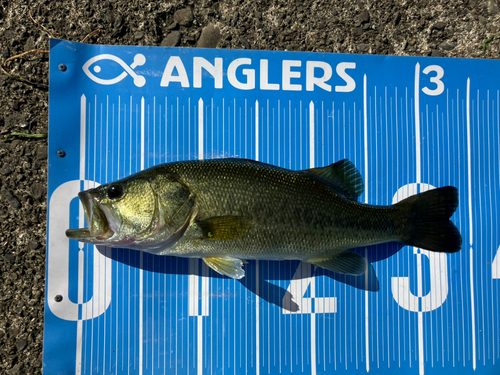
(257, 130)
(367, 316)
(421, 359)
(312, 127)
(257, 299)
(469, 180)
(141, 271)
(417, 122)
(81, 217)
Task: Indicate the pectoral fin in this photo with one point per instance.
(346, 262)
(223, 228)
(227, 266)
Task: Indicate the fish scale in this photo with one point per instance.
(295, 214)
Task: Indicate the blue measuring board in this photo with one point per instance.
(409, 124)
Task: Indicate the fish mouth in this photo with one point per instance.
(99, 229)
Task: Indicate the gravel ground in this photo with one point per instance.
(416, 28)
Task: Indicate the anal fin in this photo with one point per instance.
(346, 262)
(227, 266)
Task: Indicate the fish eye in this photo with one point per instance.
(115, 191)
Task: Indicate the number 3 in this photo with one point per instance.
(436, 79)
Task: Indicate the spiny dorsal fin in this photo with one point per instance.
(343, 175)
(221, 228)
(227, 266)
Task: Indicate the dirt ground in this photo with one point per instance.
(451, 28)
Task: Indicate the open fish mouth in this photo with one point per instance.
(99, 229)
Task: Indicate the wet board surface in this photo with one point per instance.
(408, 124)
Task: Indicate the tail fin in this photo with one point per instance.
(429, 225)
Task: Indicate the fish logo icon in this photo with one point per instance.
(139, 60)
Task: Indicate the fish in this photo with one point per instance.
(227, 211)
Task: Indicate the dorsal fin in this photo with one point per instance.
(343, 175)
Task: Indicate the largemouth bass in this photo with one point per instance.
(228, 210)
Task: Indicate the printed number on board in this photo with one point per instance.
(304, 280)
(435, 73)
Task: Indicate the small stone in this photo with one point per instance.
(14, 144)
(245, 43)
(9, 258)
(118, 21)
(41, 153)
(447, 46)
(356, 31)
(173, 26)
(363, 47)
(21, 344)
(436, 53)
(363, 17)
(13, 331)
(109, 17)
(33, 245)
(6, 53)
(11, 198)
(210, 37)
(37, 191)
(16, 370)
(121, 31)
(15, 119)
(192, 38)
(30, 44)
(172, 39)
(492, 6)
(6, 170)
(482, 20)
(397, 19)
(139, 35)
(439, 26)
(292, 47)
(184, 17)
(9, 35)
